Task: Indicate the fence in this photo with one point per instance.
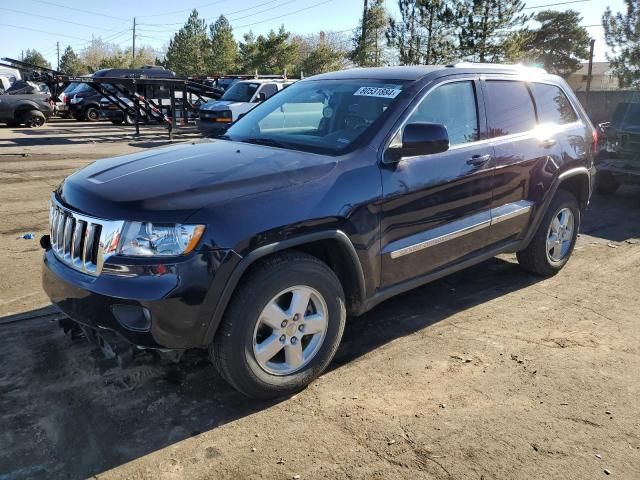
(602, 104)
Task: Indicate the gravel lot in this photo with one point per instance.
(487, 374)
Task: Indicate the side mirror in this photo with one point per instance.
(420, 139)
(261, 97)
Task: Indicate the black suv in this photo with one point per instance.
(619, 161)
(341, 191)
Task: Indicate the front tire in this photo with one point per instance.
(282, 327)
(33, 119)
(555, 238)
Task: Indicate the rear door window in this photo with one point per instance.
(268, 89)
(510, 108)
(553, 105)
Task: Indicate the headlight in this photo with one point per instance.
(145, 239)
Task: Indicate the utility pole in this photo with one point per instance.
(133, 47)
(58, 54)
(586, 100)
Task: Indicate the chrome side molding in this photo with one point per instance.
(467, 225)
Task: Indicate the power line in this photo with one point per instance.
(79, 9)
(40, 31)
(555, 4)
(285, 15)
(56, 19)
(226, 14)
(261, 11)
(182, 11)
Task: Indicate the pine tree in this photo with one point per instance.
(247, 53)
(187, 52)
(622, 34)
(485, 27)
(559, 44)
(36, 58)
(369, 38)
(273, 53)
(70, 63)
(224, 49)
(425, 32)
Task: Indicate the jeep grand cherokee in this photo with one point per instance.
(343, 190)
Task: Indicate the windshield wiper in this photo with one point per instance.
(264, 141)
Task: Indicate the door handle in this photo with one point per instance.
(479, 159)
(548, 143)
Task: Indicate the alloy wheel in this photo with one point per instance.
(290, 330)
(560, 235)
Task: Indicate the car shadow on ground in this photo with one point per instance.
(68, 412)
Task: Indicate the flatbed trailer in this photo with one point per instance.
(126, 88)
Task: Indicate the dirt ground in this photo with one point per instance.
(488, 374)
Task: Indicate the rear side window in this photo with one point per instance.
(553, 105)
(454, 106)
(509, 107)
(269, 89)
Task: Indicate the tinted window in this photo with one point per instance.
(510, 108)
(454, 106)
(553, 105)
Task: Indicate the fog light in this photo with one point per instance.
(132, 317)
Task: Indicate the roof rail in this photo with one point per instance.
(497, 66)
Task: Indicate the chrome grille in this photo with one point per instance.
(80, 241)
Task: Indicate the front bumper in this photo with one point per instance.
(623, 169)
(179, 297)
(211, 128)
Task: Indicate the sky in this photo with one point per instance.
(40, 24)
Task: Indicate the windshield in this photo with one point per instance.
(71, 87)
(83, 87)
(320, 116)
(225, 83)
(240, 92)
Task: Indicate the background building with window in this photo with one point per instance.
(602, 78)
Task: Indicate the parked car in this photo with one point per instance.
(8, 76)
(216, 116)
(257, 245)
(85, 102)
(619, 161)
(62, 105)
(29, 109)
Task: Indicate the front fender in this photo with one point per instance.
(222, 289)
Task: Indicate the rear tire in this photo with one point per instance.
(33, 119)
(551, 245)
(262, 347)
(606, 184)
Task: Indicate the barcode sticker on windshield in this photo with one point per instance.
(377, 92)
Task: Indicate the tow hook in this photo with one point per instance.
(45, 242)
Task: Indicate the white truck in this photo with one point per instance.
(217, 115)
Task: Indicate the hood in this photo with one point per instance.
(169, 184)
(222, 105)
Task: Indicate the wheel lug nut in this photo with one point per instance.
(283, 324)
(294, 340)
(283, 339)
(296, 317)
(301, 328)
